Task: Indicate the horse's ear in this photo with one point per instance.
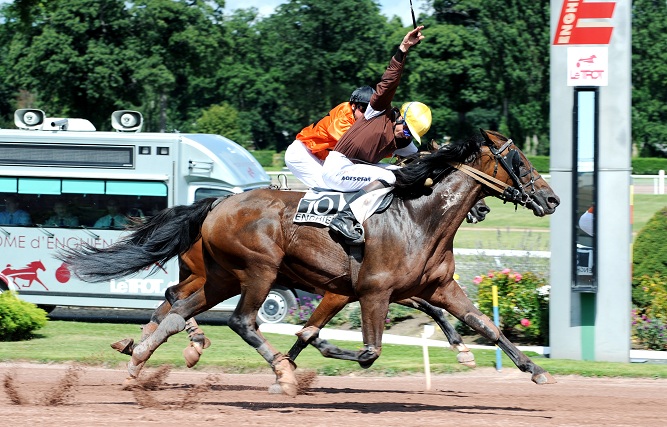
(485, 134)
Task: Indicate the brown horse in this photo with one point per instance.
(193, 277)
(250, 242)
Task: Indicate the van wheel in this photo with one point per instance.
(277, 306)
(47, 308)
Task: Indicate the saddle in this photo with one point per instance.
(320, 205)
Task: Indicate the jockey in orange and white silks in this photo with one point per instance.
(305, 156)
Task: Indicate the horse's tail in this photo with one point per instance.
(162, 237)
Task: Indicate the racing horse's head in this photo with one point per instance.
(524, 186)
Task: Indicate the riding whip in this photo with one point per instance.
(414, 21)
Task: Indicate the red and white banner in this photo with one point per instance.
(584, 22)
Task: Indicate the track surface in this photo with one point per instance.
(481, 397)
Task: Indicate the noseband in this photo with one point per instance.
(512, 164)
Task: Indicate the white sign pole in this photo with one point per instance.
(429, 330)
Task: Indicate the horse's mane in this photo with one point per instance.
(410, 179)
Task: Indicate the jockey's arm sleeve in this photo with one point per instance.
(406, 151)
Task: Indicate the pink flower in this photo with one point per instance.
(490, 275)
(525, 322)
(505, 271)
(517, 277)
(477, 280)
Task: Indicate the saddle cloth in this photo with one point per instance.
(320, 206)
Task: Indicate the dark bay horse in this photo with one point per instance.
(250, 242)
(193, 277)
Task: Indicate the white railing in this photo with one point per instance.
(646, 181)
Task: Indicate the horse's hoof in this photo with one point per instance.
(543, 378)
(129, 383)
(124, 346)
(289, 389)
(466, 358)
(207, 343)
(134, 368)
(191, 355)
(275, 389)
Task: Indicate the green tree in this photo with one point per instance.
(222, 120)
(649, 77)
(447, 73)
(6, 108)
(69, 58)
(512, 45)
(178, 45)
(517, 57)
(314, 53)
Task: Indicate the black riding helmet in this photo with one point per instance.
(362, 95)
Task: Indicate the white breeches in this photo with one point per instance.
(340, 174)
(304, 164)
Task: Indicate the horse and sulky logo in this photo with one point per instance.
(23, 277)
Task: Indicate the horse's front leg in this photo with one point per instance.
(452, 298)
(243, 321)
(465, 356)
(374, 309)
(330, 305)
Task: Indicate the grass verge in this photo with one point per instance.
(88, 344)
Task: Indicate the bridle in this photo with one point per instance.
(512, 164)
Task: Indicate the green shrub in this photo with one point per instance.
(650, 296)
(540, 163)
(523, 304)
(18, 318)
(648, 165)
(649, 255)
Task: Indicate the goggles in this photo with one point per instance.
(406, 130)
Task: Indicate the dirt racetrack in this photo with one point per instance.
(62, 395)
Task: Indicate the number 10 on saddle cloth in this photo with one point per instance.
(321, 206)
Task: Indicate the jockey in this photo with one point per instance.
(383, 130)
(305, 156)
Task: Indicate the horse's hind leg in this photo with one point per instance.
(198, 341)
(173, 323)
(451, 298)
(465, 356)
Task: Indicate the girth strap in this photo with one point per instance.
(356, 255)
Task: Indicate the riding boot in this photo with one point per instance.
(346, 224)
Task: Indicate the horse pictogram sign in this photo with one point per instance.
(27, 273)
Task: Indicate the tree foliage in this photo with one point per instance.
(484, 63)
(649, 77)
